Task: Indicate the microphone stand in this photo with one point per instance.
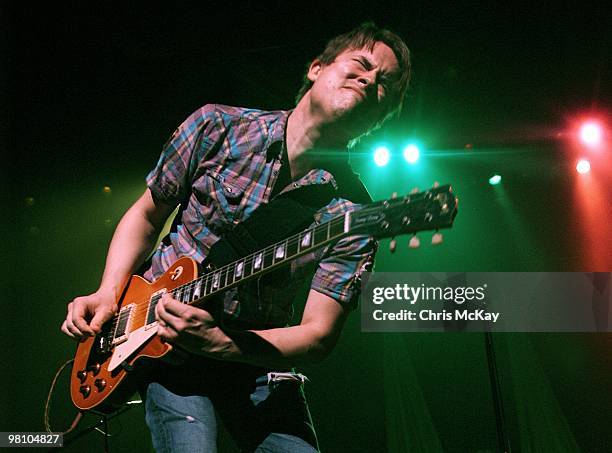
(502, 438)
(103, 422)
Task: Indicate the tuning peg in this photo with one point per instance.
(436, 184)
(414, 243)
(394, 195)
(415, 190)
(436, 239)
(392, 245)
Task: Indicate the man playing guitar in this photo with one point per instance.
(220, 165)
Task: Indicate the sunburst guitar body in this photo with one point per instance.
(103, 373)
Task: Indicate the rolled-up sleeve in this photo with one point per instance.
(170, 180)
(338, 274)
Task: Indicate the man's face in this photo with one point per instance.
(356, 89)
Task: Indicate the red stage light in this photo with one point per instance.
(591, 133)
(583, 166)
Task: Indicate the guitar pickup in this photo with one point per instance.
(122, 328)
(151, 322)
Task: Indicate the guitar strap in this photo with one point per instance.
(285, 215)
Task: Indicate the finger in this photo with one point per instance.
(169, 307)
(166, 332)
(185, 311)
(159, 308)
(101, 316)
(78, 318)
(173, 306)
(70, 325)
(165, 317)
(64, 328)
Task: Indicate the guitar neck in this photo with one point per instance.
(429, 210)
(266, 260)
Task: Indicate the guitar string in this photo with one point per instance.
(144, 306)
(206, 279)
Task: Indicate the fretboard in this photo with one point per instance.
(262, 261)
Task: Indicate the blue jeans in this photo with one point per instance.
(182, 402)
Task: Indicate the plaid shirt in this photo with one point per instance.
(220, 165)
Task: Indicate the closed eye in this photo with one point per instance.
(365, 64)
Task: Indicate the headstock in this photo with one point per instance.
(432, 209)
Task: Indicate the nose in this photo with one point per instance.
(365, 80)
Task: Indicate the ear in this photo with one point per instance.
(314, 69)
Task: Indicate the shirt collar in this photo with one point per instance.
(276, 136)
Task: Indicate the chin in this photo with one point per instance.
(355, 119)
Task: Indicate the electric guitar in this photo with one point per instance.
(105, 367)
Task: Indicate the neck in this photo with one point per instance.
(310, 141)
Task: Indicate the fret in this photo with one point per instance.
(320, 234)
(268, 258)
(215, 281)
(207, 283)
(248, 267)
(229, 274)
(222, 277)
(225, 276)
(258, 262)
(292, 246)
(211, 282)
(197, 289)
(187, 293)
(279, 252)
(338, 227)
(305, 240)
(238, 273)
(177, 293)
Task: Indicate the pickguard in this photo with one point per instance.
(135, 340)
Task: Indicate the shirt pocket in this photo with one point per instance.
(228, 194)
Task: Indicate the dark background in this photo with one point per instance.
(90, 92)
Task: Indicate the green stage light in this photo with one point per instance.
(494, 180)
(382, 156)
(411, 153)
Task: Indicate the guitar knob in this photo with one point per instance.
(414, 191)
(436, 239)
(95, 368)
(85, 390)
(392, 245)
(414, 243)
(100, 384)
(81, 375)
